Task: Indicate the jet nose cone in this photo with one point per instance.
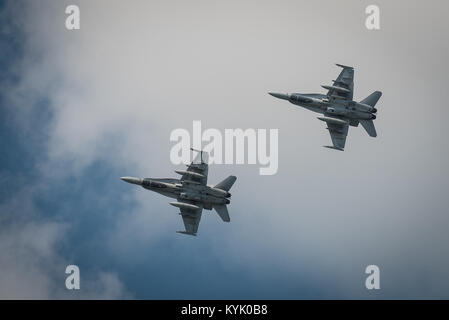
(132, 180)
(284, 96)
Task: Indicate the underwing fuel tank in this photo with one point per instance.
(339, 89)
(333, 120)
(190, 173)
(183, 205)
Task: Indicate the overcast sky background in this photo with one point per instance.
(81, 108)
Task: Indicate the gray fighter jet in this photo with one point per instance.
(192, 193)
(339, 109)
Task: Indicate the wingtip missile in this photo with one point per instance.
(343, 66)
(335, 148)
(188, 233)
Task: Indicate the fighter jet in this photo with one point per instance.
(339, 109)
(192, 193)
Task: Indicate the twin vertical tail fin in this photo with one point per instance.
(222, 209)
(371, 100)
(226, 184)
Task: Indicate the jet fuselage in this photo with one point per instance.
(319, 103)
(183, 189)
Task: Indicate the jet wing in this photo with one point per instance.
(338, 129)
(191, 217)
(196, 171)
(343, 87)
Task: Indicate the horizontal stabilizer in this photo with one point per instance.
(368, 125)
(222, 211)
(226, 184)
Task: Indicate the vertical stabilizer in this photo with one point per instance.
(368, 125)
(227, 183)
(372, 99)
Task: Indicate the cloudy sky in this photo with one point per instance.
(79, 109)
